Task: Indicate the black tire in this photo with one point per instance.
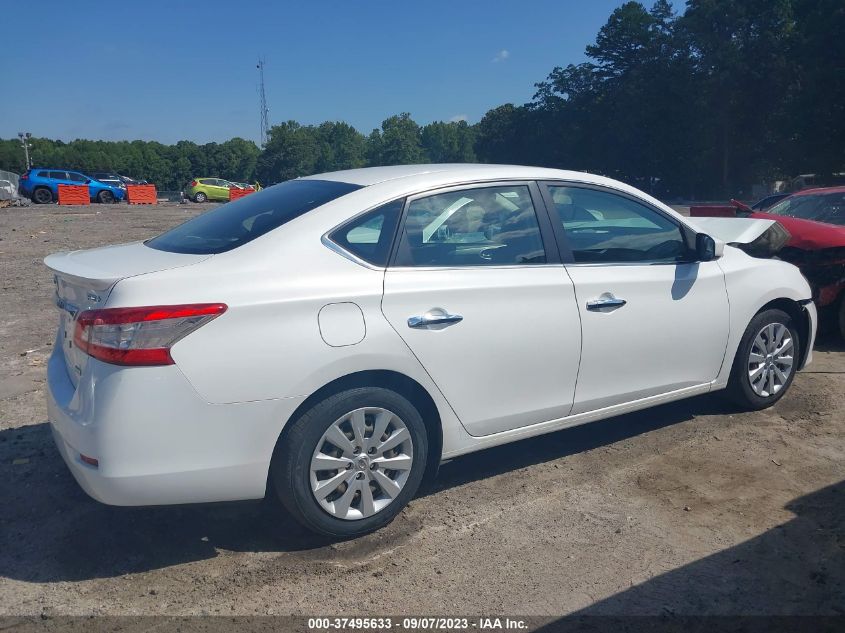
(739, 384)
(290, 468)
(105, 197)
(42, 195)
(200, 197)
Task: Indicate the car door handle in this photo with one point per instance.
(605, 302)
(435, 316)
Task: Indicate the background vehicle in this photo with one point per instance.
(764, 203)
(42, 185)
(204, 189)
(815, 219)
(340, 335)
(115, 179)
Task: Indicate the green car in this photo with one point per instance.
(204, 189)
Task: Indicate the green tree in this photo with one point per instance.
(291, 151)
(448, 142)
(400, 141)
(341, 147)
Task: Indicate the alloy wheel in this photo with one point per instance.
(361, 463)
(771, 359)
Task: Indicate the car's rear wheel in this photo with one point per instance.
(200, 197)
(349, 464)
(766, 360)
(105, 197)
(42, 195)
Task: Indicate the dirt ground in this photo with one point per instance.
(688, 508)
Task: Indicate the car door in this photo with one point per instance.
(59, 178)
(653, 319)
(478, 293)
(221, 189)
(78, 179)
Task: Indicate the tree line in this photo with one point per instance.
(702, 103)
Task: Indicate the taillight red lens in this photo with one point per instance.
(140, 336)
(25, 175)
(193, 183)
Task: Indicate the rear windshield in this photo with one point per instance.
(236, 223)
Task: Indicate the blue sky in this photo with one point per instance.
(165, 71)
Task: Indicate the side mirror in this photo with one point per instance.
(706, 248)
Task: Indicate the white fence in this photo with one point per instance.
(8, 185)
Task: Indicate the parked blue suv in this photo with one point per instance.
(42, 185)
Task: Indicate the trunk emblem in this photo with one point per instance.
(93, 297)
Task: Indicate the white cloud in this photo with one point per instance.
(458, 117)
(501, 56)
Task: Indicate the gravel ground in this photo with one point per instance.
(688, 508)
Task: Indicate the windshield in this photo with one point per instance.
(236, 223)
(821, 207)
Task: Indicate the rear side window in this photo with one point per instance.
(76, 177)
(485, 226)
(370, 236)
(43, 174)
(233, 224)
(58, 175)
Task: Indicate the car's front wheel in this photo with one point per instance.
(349, 464)
(105, 197)
(766, 360)
(200, 197)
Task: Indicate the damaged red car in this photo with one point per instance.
(815, 221)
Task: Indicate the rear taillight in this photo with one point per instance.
(140, 336)
(193, 183)
(25, 175)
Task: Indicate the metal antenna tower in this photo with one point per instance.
(262, 97)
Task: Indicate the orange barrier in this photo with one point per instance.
(74, 194)
(235, 193)
(141, 194)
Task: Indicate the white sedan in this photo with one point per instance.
(332, 339)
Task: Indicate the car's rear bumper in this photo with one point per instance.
(157, 442)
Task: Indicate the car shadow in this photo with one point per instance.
(796, 568)
(829, 342)
(57, 533)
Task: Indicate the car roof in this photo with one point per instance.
(817, 190)
(454, 172)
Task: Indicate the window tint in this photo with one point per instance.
(207, 181)
(58, 175)
(605, 227)
(236, 223)
(44, 174)
(472, 227)
(370, 236)
(76, 177)
(828, 207)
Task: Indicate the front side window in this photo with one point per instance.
(236, 223)
(76, 177)
(370, 236)
(485, 226)
(604, 227)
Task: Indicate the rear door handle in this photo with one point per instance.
(434, 317)
(605, 302)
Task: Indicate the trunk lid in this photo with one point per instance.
(84, 279)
